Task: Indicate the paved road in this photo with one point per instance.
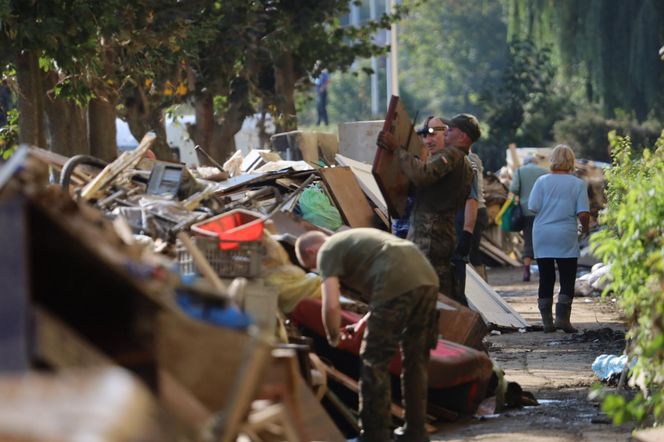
(554, 367)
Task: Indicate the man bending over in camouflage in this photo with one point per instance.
(397, 282)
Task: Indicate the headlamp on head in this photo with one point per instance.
(426, 131)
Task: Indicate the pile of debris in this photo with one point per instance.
(187, 278)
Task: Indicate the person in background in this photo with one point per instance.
(558, 199)
(442, 184)
(465, 222)
(322, 84)
(482, 221)
(522, 184)
(401, 288)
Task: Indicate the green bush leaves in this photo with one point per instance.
(633, 244)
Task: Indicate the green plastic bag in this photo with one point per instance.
(317, 209)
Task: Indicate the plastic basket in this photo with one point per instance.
(232, 227)
(243, 260)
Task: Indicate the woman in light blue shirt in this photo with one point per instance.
(558, 199)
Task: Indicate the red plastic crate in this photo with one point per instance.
(232, 227)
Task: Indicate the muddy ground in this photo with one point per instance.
(554, 367)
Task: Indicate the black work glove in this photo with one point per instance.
(463, 246)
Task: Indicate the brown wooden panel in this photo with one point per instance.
(348, 196)
(391, 180)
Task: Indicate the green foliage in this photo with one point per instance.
(9, 135)
(586, 130)
(609, 45)
(527, 103)
(526, 90)
(633, 244)
(449, 52)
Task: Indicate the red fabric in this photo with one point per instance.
(450, 365)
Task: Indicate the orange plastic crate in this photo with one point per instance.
(232, 227)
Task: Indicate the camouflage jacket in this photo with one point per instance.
(442, 183)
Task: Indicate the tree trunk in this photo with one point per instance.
(142, 117)
(101, 112)
(30, 100)
(284, 76)
(224, 139)
(67, 125)
(202, 132)
(158, 126)
(218, 140)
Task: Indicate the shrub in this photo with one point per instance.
(587, 129)
(9, 135)
(634, 246)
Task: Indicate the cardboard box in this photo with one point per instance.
(460, 324)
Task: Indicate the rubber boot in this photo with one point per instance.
(563, 312)
(545, 305)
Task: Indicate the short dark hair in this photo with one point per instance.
(466, 123)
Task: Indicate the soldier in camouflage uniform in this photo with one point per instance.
(400, 287)
(442, 184)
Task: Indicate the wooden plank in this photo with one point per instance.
(483, 299)
(125, 161)
(351, 384)
(244, 389)
(179, 401)
(347, 196)
(60, 346)
(497, 254)
(458, 323)
(366, 180)
(392, 181)
(15, 284)
(515, 157)
(283, 383)
(194, 352)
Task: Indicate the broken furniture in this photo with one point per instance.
(209, 361)
(458, 375)
(457, 323)
(76, 295)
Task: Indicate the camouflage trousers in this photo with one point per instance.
(408, 322)
(435, 236)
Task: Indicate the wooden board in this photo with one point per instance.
(366, 180)
(494, 252)
(392, 181)
(458, 323)
(483, 299)
(348, 196)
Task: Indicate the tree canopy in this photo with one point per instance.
(612, 44)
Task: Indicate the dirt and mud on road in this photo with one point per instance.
(555, 367)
